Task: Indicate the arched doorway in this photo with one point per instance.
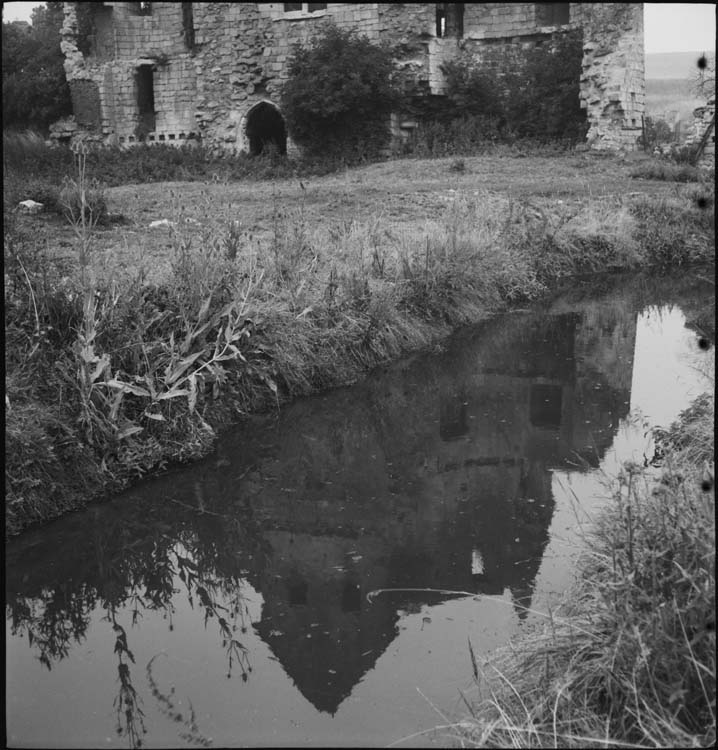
(265, 127)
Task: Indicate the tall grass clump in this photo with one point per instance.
(32, 170)
(631, 658)
(108, 380)
(668, 170)
(566, 241)
(46, 467)
(676, 231)
(28, 152)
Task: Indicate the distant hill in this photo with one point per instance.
(672, 64)
(669, 78)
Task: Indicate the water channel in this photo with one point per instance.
(295, 588)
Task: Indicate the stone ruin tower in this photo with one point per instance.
(181, 72)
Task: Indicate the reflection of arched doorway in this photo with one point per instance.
(265, 126)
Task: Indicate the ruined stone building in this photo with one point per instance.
(175, 72)
(703, 131)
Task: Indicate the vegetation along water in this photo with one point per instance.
(328, 573)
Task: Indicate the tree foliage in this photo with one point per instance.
(657, 133)
(339, 94)
(34, 89)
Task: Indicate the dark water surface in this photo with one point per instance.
(243, 600)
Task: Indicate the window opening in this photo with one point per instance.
(145, 100)
(304, 7)
(450, 20)
(141, 9)
(440, 21)
(553, 14)
(188, 25)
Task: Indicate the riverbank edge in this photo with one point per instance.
(628, 659)
(262, 398)
(434, 307)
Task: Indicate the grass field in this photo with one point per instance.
(398, 194)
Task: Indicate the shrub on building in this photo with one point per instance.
(339, 95)
(521, 94)
(543, 99)
(472, 89)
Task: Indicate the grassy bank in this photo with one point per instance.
(629, 659)
(129, 347)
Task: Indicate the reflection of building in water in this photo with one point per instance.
(437, 477)
(433, 475)
(316, 617)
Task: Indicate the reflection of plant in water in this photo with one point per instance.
(134, 602)
(127, 701)
(238, 609)
(128, 569)
(235, 651)
(63, 619)
(206, 589)
(169, 709)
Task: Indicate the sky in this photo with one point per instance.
(669, 27)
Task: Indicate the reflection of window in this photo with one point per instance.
(477, 563)
(351, 597)
(552, 14)
(545, 405)
(452, 418)
(297, 591)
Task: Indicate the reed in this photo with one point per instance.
(629, 659)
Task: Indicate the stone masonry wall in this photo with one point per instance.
(498, 20)
(123, 42)
(704, 130)
(612, 81)
(241, 52)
